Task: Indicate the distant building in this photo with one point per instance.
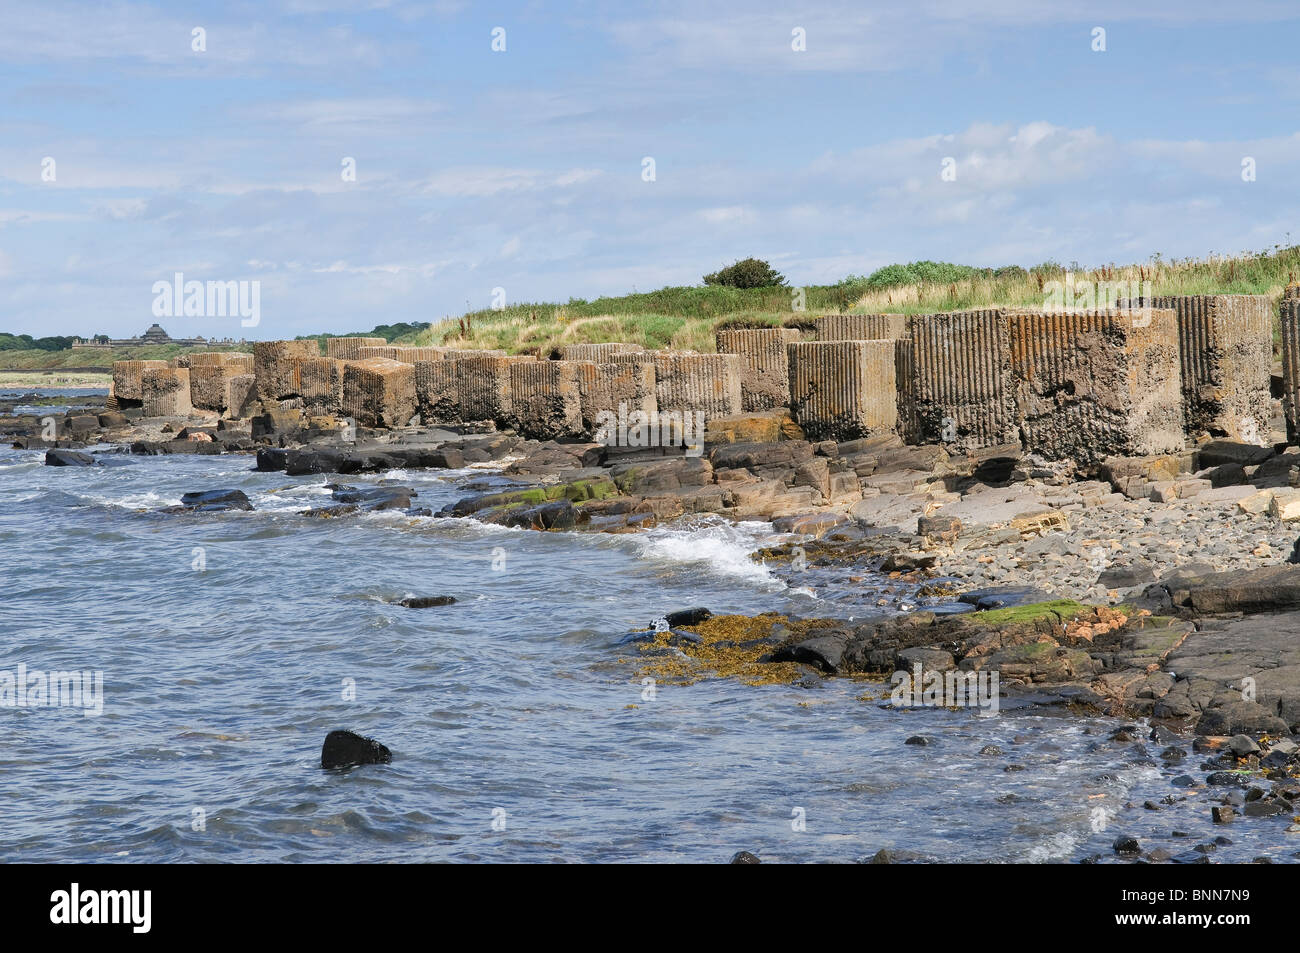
(154, 336)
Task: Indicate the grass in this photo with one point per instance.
(686, 318)
(36, 360)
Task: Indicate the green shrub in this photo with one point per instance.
(750, 273)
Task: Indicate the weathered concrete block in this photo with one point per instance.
(545, 398)
(628, 383)
(842, 390)
(378, 392)
(274, 368)
(166, 392)
(1290, 367)
(349, 349)
(709, 383)
(436, 392)
(128, 380)
(319, 382)
(240, 395)
(483, 384)
(455, 354)
(954, 381)
(240, 360)
(860, 327)
(407, 355)
(1092, 384)
(765, 371)
(209, 385)
(598, 353)
(1225, 348)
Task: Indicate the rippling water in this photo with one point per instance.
(221, 682)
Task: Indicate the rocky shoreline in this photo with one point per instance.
(1157, 588)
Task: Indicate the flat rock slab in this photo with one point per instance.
(1268, 589)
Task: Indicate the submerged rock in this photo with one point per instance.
(744, 857)
(345, 749)
(426, 602)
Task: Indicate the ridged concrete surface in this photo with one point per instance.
(378, 392)
(842, 390)
(860, 327)
(545, 399)
(436, 392)
(954, 380)
(128, 379)
(765, 373)
(705, 382)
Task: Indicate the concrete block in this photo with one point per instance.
(436, 392)
(597, 353)
(274, 368)
(860, 327)
(709, 383)
(128, 380)
(1225, 349)
(166, 392)
(954, 381)
(841, 390)
(1290, 367)
(545, 399)
(765, 373)
(1092, 384)
(349, 349)
(378, 392)
(483, 385)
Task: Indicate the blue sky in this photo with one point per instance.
(522, 169)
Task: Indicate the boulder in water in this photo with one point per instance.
(69, 458)
(346, 749)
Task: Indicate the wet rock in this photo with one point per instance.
(1125, 844)
(1222, 815)
(426, 602)
(375, 497)
(211, 501)
(1004, 597)
(744, 857)
(687, 617)
(920, 741)
(1264, 807)
(345, 749)
(895, 855)
(991, 750)
(69, 458)
(824, 651)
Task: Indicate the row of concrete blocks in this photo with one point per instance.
(1069, 385)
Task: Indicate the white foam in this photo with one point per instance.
(716, 545)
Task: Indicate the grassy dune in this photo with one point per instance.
(687, 317)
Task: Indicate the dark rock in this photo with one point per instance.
(215, 500)
(68, 458)
(426, 602)
(687, 617)
(919, 740)
(825, 651)
(1240, 717)
(1222, 815)
(1218, 452)
(744, 857)
(375, 497)
(990, 750)
(1125, 844)
(270, 459)
(344, 749)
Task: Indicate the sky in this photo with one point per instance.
(604, 148)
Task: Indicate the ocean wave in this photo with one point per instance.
(719, 546)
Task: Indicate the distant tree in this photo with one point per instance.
(750, 273)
